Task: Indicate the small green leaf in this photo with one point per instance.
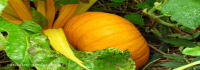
(185, 12)
(196, 59)
(118, 1)
(192, 51)
(187, 37)
(180, 42)
(175, 56)
(196, 34)
(114, 4)
(31, 26)
(135, 18)
(147, 4)
(3, 4)
(63, 2)
(173, 64)
(174, 35)
(39, 18)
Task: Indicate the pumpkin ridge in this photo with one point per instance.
(104, 37)
(139, 51)
(103, 26)
(75, 26)
(132, 41)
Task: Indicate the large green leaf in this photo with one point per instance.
(17, 46)
(185, 12)
(107, 59)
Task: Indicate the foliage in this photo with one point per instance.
(135, 18)
(185, 12)
(34, 50)
(63, 2)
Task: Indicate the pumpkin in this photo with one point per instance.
(93, 31)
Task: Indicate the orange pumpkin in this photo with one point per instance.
(92, 31)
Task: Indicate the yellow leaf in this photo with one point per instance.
(59, 42)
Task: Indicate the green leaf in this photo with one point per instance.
(175, 35)
(40, 52)
(185, 12)
(114, 4)
(118, 1)
(195, 59)
(173, 64)
(3, 41)
(63, 2)
(36, 0)
(3, 4)
(147, 4)
(39, 18)
(135, 18)
(107, 59)
(17, 46)
(180, 42)
(175, 56)
(196, 34)
(31, 27)
(192, 51)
